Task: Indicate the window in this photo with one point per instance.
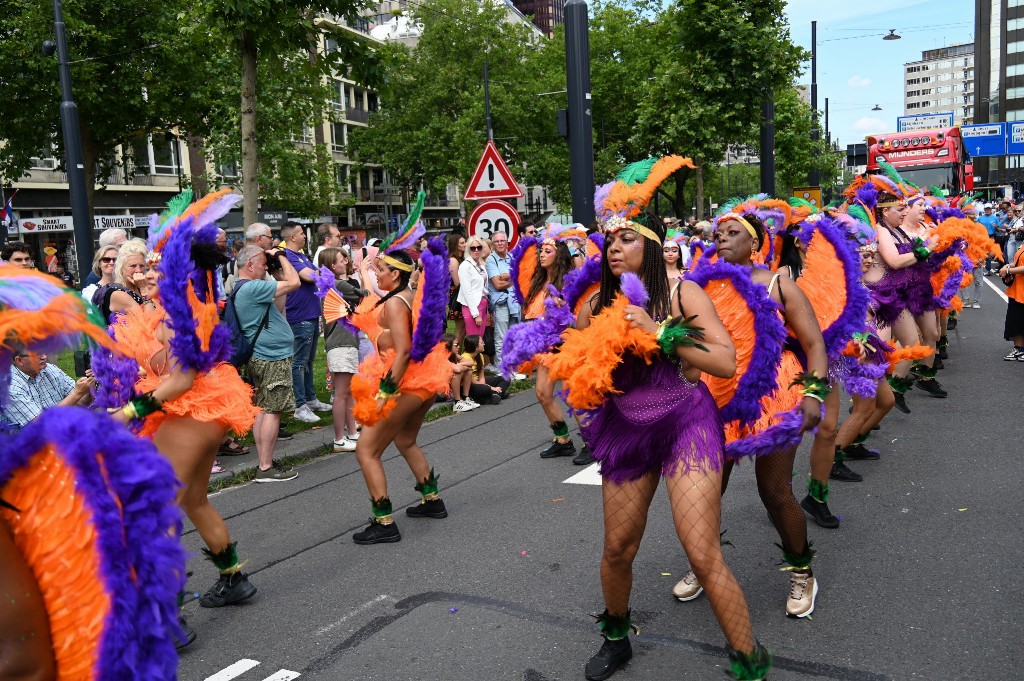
(371, 102)
(1014, 47)
(306, 137)
(913, 93)
(155, 156)
(945, 64)
(926, 91)
(1014, 24)
(944, 89)
(926, 79)
(338, 98)
(913, 81)
(339, 136)
(228, 170)
(1015, 93)
(1014, 3)
(913, 105)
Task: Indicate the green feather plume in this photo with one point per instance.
(751, 666)
(797, 202)
(177, 206)
(635, 173)
(798, 561)
(938, 191)
(895, 176)
(858, 212)
(728, 206)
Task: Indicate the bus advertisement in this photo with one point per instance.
(925, 157)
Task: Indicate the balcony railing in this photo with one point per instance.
(357, 115)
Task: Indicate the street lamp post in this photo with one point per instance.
(812, 176)
(580, 114)
(73, 159)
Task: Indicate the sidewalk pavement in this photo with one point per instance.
(304, 443)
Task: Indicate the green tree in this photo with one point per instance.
(795, 153)
(431, 124)
(132, 72)
(283, 35)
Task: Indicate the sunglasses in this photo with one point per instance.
(476, 248)
(108, 260)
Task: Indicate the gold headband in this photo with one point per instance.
(396, 264)
(742, 220)
(617, 222)
(889, 204)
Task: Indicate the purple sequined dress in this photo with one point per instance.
(907, 289)
(659, 423)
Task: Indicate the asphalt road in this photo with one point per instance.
(922, 581)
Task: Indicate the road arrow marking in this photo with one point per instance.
(233, 671)
(587, 476)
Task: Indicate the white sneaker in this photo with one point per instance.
(519, 377)
(461, 406)
(473, 404)
(803, 590)
(344, 445)
(687, 588)
(353, 436)
(976, 306)
(306, 415)
(317, 405)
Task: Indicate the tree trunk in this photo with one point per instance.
(682, 211)
(197, 165)
(699, 193)
(250, 152)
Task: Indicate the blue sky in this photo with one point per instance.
(857, 69)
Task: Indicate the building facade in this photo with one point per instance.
(999, 48)
(942, 81)
(545, 14)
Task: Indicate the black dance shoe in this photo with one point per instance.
(819, 512)
(611, 656)
(375, 533)
(559, 449)
(840, 471)
(428, 509)
(901, 402)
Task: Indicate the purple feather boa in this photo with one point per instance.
(177, 272)
(761, 376)
(435, 281)
(526, 340)
(952, 284)
(517, 254)
(858, 297)
(597, 238)
(131, 497)
(325, 281)
(862, 378)
(578, 281)
(633, 288)
(782, 436)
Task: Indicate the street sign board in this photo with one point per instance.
(924, 122)
(491, 217)
(811, 195)
(984, 139)
(492, 179)
(1016, 139)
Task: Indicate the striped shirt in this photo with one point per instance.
(29, 395)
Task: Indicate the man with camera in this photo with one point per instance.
(270, 368)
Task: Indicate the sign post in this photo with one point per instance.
(1016, 139)
(924, 122)
(811, 195)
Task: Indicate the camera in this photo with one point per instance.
(274, 261)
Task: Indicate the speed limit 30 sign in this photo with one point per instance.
(491, 217)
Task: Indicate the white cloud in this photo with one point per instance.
(869, 124)
(858, 81)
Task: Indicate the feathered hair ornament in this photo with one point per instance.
(406, 236)
(776, 215)
(620, 203)
(38, 312)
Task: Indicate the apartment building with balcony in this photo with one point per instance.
(942, 81)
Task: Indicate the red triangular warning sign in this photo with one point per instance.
(492, 178)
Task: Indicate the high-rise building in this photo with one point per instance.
(942, 81)
(999, 48)
(546, 13)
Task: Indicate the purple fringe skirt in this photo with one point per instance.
(660, 423)
(907, 289)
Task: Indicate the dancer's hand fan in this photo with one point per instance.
(335, 307)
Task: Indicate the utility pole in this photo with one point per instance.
(813, 177)
(73, 160)
(580, 114)
(768, 144)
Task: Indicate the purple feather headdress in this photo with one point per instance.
(522, 248)
(601, 193)
(130, 495)
(578, 281)
(435, 282)
(761, 375)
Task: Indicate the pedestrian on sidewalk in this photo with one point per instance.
(258, 305)
(342, 348)
(302, 309)
(1013, 328)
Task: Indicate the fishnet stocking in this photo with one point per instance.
(697, 511)
(774, 475)
(625, 518)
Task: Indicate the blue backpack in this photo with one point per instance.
(241, 347)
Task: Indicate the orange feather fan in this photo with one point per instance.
(909, 353)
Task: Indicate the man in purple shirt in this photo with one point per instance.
(302, 308)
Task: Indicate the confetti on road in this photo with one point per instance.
(522, 553)
(453, 610)
(666, 574)
(961, 509)
(555, 501)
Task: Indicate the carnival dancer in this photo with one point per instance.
(675, 264)
(539, 270)
(398, 384)
(90, 558)
(632, 369)
(795, 407)
(188, 396)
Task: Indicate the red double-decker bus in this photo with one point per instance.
(925, 157)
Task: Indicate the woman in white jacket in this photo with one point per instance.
(472, 278)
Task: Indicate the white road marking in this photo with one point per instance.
(283, 675)
(587, 476)
(362, 608)
(235, 670)
(996, 289)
